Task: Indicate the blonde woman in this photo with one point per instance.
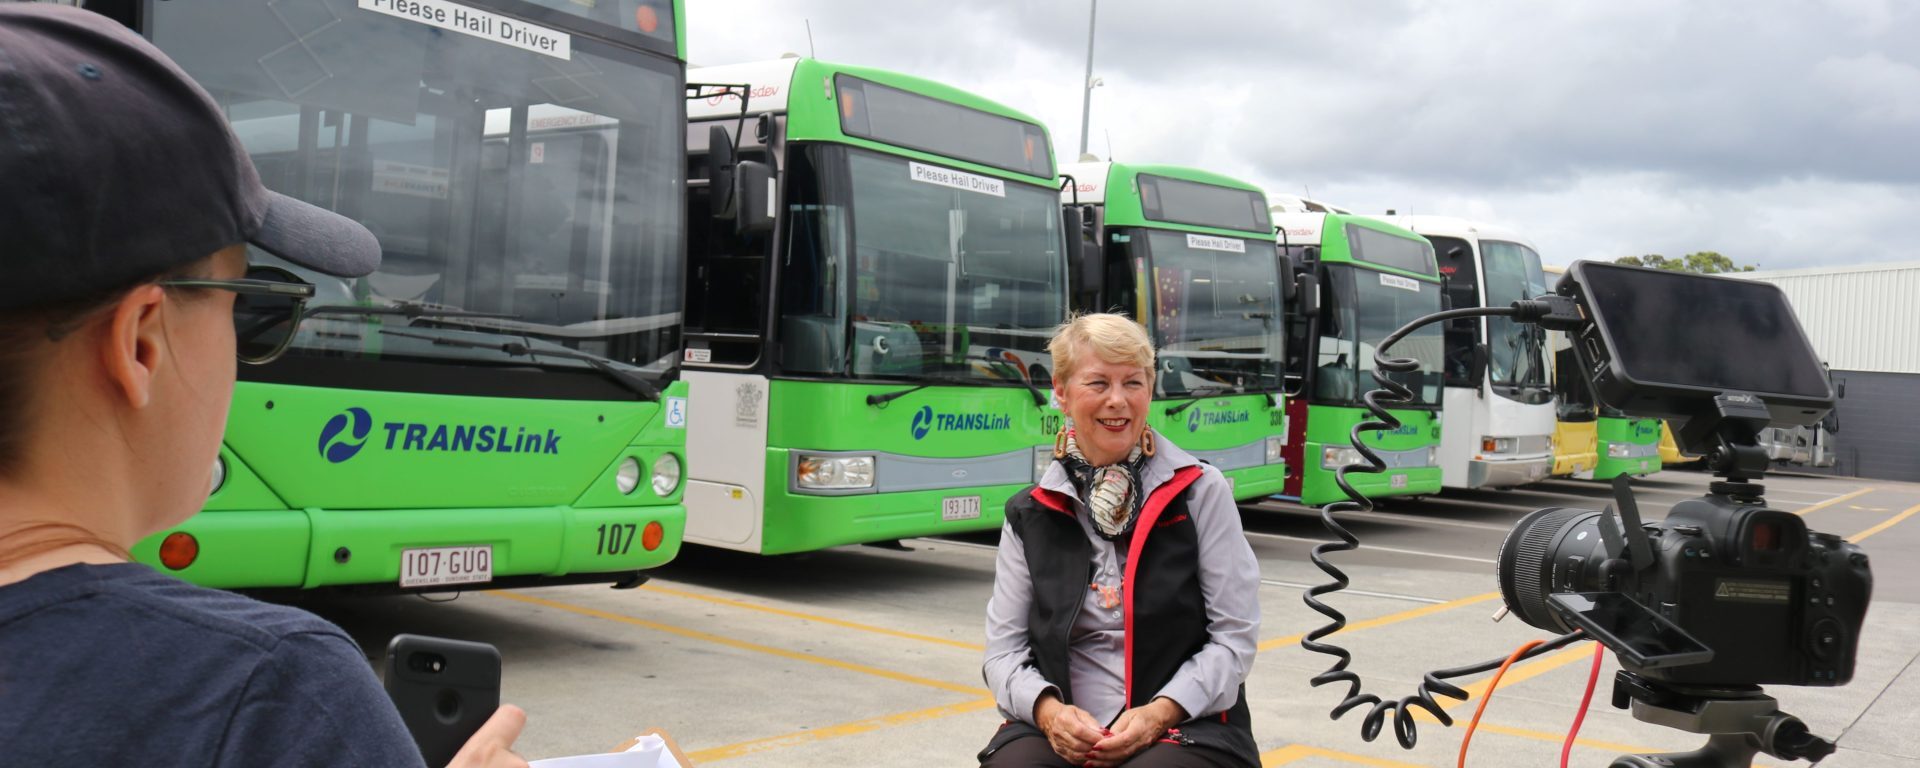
(1125, 597)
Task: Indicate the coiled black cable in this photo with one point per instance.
(1379, 403)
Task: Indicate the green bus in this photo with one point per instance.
(870, 290)
(1626, 445)
(1370, 278)
(1189, 254)
(493, 407)
(1593, 440)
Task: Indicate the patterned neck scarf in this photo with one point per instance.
(1112, 491)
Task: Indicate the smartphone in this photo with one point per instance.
(445, 689)
(1641, 638)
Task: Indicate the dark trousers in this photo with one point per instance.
(1035, 752)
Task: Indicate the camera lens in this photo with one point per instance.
(1543, 540)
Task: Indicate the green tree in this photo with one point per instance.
(1701, 262)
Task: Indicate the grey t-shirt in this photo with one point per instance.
(121, 665)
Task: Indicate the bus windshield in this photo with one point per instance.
(1517, 364)
(531, 193)
(949, 282)
(1216, 313)
(1362, 307)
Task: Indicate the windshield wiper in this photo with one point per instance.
(1039, 399)
(1198, 394)
(640, 386)
(932, 379)
(409, 311)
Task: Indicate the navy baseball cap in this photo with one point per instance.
(116, 166)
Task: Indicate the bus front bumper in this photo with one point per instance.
(1506, 473)
(312, 548)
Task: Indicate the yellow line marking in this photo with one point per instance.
(1295, 752)
(1392, 618)
(814, 618)
(742, 644)
(1835, 500)
(1519, 673)
(1558, 738)
(1891, 521)
(854, 728)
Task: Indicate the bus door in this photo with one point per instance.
(726, 360)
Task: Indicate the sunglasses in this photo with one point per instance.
(266, 310)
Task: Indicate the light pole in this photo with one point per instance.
(1087, 85)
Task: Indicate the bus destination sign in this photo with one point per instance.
(478, 23)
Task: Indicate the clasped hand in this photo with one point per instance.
(1077, 738)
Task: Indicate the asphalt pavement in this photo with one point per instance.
(870, 656)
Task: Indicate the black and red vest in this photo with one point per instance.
(1165, 613)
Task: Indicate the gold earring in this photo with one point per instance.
(1060, 443)
(1146, 443)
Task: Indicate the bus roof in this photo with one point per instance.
(807, 91)
(1465, 229)
(1283, 202)
(1330, 233)
(1211, 203)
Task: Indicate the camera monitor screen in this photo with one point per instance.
(1640, 637)
(1668, 337)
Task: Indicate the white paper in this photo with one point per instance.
(650, 752)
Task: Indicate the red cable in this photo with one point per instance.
(1593, 677)
(1495, 683)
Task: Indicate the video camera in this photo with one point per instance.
(1725, 594)
(1702, 607)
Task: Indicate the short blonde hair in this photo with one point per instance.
(1114, 338)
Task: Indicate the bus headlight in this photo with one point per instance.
(1619, 451)
(219, 475)
(666, 474)
(834, 473)
(1337, 456)
(1042, 458)
(627, 477)
(1275, 446)
(1433, 455)
(1496, 445)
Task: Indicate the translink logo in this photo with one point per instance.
(1196, 418)
(346, 434)
(926, 421)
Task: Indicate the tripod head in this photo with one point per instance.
(1740, 722)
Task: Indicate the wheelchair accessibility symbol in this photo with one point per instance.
(677, 412)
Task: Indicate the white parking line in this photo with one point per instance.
(1408, 519)
(1373, 548)
(1385, 595)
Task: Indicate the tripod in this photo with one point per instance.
(1740, 722)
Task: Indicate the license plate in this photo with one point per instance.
(441, 566)
(1397, 482)
(960, 508)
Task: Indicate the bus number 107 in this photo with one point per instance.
(616, 539)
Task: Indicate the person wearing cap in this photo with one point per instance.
(126, 212)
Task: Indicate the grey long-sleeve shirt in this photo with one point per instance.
(1207, 683)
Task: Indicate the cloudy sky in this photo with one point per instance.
(1783, 133)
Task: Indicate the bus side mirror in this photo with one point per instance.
(753, 187)
(1289, 288)
(1307, 291)
(1840, 389)
(720, 174)
(1477, 365)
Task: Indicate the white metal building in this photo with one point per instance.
(1861, 318)
(1865, 323)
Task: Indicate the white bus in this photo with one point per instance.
(1498, 399)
